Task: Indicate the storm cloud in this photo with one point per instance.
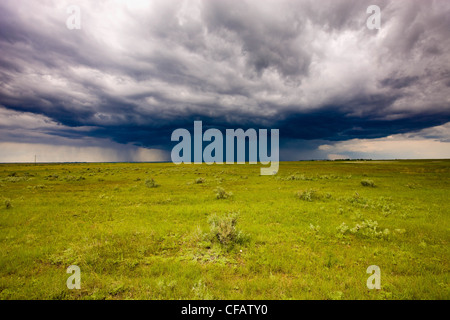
(137, 70)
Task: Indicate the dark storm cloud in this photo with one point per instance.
(398, 83)
(136, 71)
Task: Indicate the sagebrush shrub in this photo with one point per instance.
(307, 195)
(199, 180)
(367, 183)
(151, 183)
(367, 228)
(222, 194)
(52, 177)
(223, 229)
(15, 179)
(343, 228)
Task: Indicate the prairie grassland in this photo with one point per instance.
(161, 231)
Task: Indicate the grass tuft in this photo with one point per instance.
(8, 204)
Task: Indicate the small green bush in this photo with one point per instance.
(199, 180)
(343, 228)
(307, 195)
(367, 183)
(15, 179)
(52, 177)
(223, 229)
(222, 194)
(367, 228)
(151, 183)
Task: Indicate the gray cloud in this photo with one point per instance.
(135, 71)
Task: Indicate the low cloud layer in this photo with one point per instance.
(137, 70)
(430, 143)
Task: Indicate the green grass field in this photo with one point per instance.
(309, 232)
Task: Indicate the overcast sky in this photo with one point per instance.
(136, 70)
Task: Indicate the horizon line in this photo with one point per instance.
(327, 160)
